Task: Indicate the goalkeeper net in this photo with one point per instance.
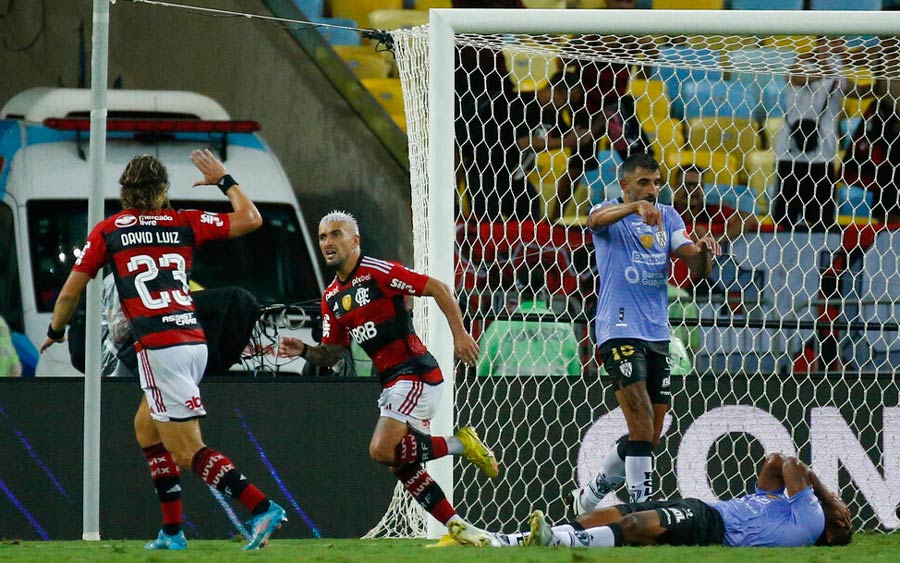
(781, 146)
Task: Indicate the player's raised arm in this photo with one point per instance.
(245, 218)
(609, 214)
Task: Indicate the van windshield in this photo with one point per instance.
(271, 262)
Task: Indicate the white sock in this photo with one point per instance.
(455, 518)
(511, 540)
(454, 446)
(602, 536)
(639, 473)
(610, 476)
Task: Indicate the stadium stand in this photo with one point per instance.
(338, 35)
(397, 19)
(364, 61)
(766, 4)
(388, 93)
(856, 5)
(358, 10)
(311, 8)
(688, 4)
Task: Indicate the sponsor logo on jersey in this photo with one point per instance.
(152, 220)
(402, 285)
(180, 319)
(211, 219)
(347, 302)
(331, 293)
(361, 278)
(126, 221)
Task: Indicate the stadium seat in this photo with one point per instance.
(705, 98)
(600, 181)
(650, 101)
(400, 120)
(397, 19)
(854, 201)
(759, 167)
(719, 167)
(358, 10)
(364, 61)
(529, 72)
(311, 8)
(388, 93)
(735, 196)
(688, 4)
(723, 134)
(771, 127)
(549, 167)
(763, 89)
(338, 35)
(429, 4)
(766, 4)
(666, 138)
(859, 5)
(545, 4)
(672, 73)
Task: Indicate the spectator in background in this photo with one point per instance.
(480, 75)
(806, 145)
(503, 139)
(9, 360)
(607, 108)
(701, 217)
(873, 160)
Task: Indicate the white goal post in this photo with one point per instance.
(429, 95)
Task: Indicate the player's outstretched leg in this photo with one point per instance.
(612, 473)
(165, 541)
(476, 452)
(541, 532)
(262, 527)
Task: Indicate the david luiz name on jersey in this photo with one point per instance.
(161, 237)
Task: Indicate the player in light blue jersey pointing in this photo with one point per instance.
(633, 239)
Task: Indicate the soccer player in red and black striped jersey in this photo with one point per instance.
(367, 302)
(150, 248)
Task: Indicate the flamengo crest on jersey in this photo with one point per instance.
(370, 307)
(151, 254)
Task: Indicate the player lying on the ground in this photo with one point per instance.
(790, 508)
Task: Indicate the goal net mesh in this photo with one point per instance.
(793, 140)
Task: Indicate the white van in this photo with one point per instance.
(44, 185)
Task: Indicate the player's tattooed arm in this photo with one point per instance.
(323, 355)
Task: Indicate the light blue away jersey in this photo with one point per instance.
(633, 272)
(772, 519)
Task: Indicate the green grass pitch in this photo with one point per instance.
(865, 548)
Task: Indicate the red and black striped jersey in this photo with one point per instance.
(151, 253)
(370, 307)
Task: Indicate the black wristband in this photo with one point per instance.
(225, 182)
(55, 334)
(303, 353)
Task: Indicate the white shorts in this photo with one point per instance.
(170, 379)
(411, 402)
